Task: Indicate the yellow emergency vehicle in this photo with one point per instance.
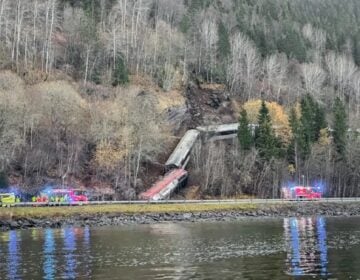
(7, 199)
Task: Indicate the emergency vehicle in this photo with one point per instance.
(63, 196)
(301, 192)
(7, 199)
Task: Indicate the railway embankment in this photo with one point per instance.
(106, 215)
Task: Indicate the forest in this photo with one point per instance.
(89, 90)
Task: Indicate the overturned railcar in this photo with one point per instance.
(163, 188)
(219, 132)
(181, 155)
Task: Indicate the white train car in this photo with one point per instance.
(180, 156)
(219, 132)
(223, 131)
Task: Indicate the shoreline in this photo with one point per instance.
(80, 216)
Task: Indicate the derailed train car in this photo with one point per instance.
(163, 188)
(222, 131)
(181, 155)
(219, 132)
(176, 175)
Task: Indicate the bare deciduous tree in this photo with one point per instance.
(317, 37)
(341, 69)
(314, 78)
(244, 65)
(209, 39)
(275, 68)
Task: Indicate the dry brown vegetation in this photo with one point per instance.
(71, 211)
(50, 133)
(96, 79)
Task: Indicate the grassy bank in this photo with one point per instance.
(68, 211)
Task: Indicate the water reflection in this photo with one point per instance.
(49, 255)
(13, 255)
(86, 243)
(249, 249)
(322, 245)
(307, 248)
(46, 254)
(69, 249)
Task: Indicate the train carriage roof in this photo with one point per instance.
(219, 128)
(182, 149)
(164, 182)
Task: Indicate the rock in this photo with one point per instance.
(293, 210)
(56, 224)
(176, 116)
(14, 224)
(214, 101)
(27, 223)
(260, 213)
(187, 216)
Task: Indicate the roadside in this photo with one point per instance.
(106, 215)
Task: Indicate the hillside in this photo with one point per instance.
(98, 92)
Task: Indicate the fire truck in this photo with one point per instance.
(301, 192)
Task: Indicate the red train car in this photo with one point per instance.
(165, 186)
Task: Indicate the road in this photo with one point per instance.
(214, 201)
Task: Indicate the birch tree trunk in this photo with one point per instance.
(87, 64)
(2, 8)
(18, 35)
(49, 40)
(34, 48)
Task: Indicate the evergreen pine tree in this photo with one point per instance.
(223, 41)
(265, 44)
(340, 126)
(319, 120)
(95, 75)
(356, 48)
(185, 24)
(265, 140)
(296, 137)
(292, 44)
(306, 126)
(311, 122)
(120, 73)
(89, 7)
(3, 180)
(244, 132)
(223, 52)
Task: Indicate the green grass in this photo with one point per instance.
(88, 210)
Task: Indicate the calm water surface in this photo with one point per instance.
(294, 248)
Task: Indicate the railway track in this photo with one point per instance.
(213, 201)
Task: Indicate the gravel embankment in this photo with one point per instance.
(107, 219)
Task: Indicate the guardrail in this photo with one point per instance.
(211, 201)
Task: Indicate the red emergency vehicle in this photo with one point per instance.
(64, 195)
(300, 192)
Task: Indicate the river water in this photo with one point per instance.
(292, 248)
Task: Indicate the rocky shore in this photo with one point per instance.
(118, 219)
